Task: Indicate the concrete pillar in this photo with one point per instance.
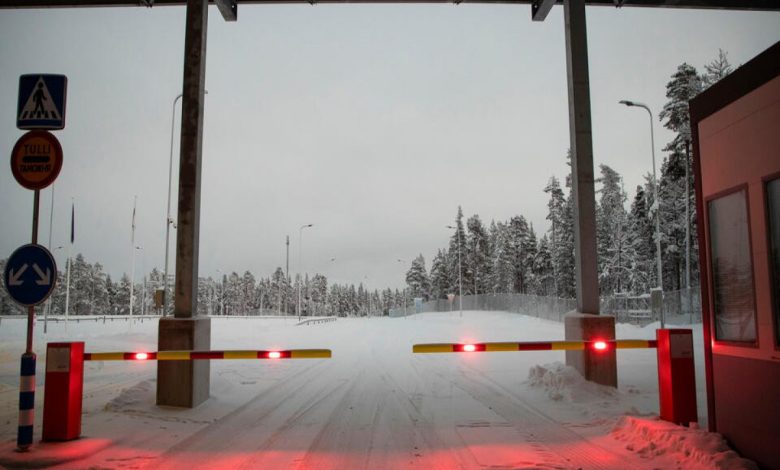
(581, 139)
(585, 323)
(596, 366)
(186, 383)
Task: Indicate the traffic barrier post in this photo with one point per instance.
(62, 397)
(676, 376)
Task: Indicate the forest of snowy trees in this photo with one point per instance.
(501, 257)
(510, 257)
(93, 292)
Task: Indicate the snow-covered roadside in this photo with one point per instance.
(454, 394)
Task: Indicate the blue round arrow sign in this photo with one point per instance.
(30, 274)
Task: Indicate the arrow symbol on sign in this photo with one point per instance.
(13, 277)
(44, 278)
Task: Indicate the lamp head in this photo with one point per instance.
(627, 103)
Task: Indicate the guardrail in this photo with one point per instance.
(314, 321)
(97, 318)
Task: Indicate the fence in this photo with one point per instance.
(680, 306)
(314, 321)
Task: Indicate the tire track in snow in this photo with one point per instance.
(448, 454)
(525, 451)
(346, 438)
(538, 428)
(230, 440)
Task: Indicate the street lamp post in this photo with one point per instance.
(657, 201)
(168, 219)
(300, 273)
(460, 271)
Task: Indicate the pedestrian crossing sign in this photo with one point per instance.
(41, 101)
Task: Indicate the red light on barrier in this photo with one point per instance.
(274, 355)
(140, 356)
(600, 345)
(469, 347)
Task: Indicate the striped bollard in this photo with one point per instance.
(26, 402)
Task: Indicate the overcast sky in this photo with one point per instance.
(372, 122)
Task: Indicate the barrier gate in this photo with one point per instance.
(674, 348)
(65, 377)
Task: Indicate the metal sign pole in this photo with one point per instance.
(36, 160)
(31, 309)
(24, 436)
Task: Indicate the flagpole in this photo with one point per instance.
(68, 262)
(51, 229)
(132, 259)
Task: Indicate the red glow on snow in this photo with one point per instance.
(274, 355)
(141, 356)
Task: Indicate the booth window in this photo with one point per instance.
(773, 206)
(732, 268)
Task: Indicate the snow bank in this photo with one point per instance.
(564, 383)
(695, 448)
(138, 394)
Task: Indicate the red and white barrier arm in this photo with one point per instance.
(201, 355)
(597, 345)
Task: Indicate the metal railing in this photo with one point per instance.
(314, 321)
(680, 306)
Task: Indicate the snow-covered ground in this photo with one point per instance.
(373, 405)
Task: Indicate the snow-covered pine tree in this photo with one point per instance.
(611, 228)
(386, 301)
(122, 303)
(565, 261)
(672, 195)
(517, 234)
(98, 292)
(441, 278)
(502, 262)
(530, 248)
(278, 292)
(111, 294)
(417, 279)
(457, 248)
(561, 213)
(81, 285)
(684, 86)
(477, 257)
(319, 290)
(640, 238)
(543, 269)
(716, 70)
(247, 302)
(233, 295)
(556, 214)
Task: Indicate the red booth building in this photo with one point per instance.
(735, 128)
